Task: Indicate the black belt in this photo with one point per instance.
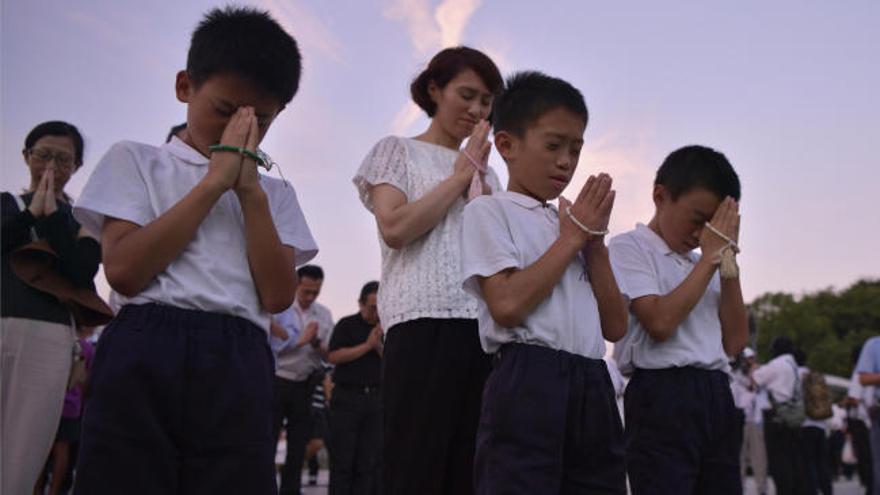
(362, 388)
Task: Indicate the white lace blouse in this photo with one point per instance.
(421, 280)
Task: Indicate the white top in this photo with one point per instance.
(298, 364)
(421, 279)
(139, 182)
(864, 395)
(511, 230)
(645, 265)
(778, 376)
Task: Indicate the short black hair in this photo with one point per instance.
(531, 94)
(174, 130)
(371, 287)
(57, 128)
(447, 64)
(249, 43)
(698, 166)
(310, 271)
(781, 345)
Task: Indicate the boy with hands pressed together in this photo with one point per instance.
(547, 297)
(202, 249)
(686, 317)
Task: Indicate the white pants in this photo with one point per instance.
(36, 358)
(754, 453)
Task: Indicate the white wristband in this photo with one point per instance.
(598, 233)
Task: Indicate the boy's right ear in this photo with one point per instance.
(506, 144)
(660, 195)
(183, 86)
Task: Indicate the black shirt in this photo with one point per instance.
(79, 259)
(349, 332)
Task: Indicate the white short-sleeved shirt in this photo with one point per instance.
(421, 279)
(511, 230)
(779, 376)
(139, 182)
(645, 265)
(297, 364)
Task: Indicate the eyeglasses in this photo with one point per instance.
(44, 155)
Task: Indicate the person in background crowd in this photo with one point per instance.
(36, 332)
(299, 369)
(356, 406)
(868, 370)
(781, 377)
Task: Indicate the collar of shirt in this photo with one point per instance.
(185, 152)
(659, 245)
(523, 200)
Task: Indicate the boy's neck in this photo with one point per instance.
(654, 225)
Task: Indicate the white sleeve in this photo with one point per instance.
(115, 189)
(763, 375)
(290, 221)
(634, 273)
(386, 163)
(326, 326)
(486, 245)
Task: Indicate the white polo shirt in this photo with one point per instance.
(297, 364)
(139, 182)
(779, 376)
(511, 230)
(644, 265)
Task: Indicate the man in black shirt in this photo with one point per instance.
(356, 405)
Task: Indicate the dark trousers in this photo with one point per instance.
(861, 444)
(785, 457)
(433, 376)
(549, 424)
(682, 433)
(816, 460)
(179, 401)
(356, 437)
(293, 401)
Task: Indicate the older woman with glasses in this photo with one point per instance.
(37, 338)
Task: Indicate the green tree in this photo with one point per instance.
(827, 325)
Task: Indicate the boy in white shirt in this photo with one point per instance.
(203, 249)
(682, 428)
(547, 297)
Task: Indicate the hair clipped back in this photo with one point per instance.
(530, 94)
(447, 64)
(249, 43)
(698, 166)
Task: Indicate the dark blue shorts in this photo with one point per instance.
(683, 433)
(549, 424)
(179, 402)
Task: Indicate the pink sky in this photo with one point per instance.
(787, 90)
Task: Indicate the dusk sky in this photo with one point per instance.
(788, 90)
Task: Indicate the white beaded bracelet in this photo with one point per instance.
(598, 233)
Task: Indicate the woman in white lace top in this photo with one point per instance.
(434, 368)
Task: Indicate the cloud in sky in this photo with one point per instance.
(430, 29)
(309, 30)
(629, 159)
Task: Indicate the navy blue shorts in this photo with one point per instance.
(179, 402)
(683, 433)
(549, 424)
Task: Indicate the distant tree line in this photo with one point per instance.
(827, 325)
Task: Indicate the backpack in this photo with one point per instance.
(790, 413)
(817, 397)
